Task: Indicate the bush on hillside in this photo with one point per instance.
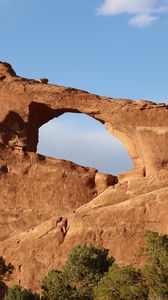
(85, 266)
(18, 293)
(5, 269)
(121, 283)
(155, 271)
(54, 287)
(5, 272)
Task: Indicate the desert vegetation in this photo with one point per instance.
(90, 273)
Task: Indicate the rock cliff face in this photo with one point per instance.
(25, 105)
(49, 205)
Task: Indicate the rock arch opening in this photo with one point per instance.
(85, 141)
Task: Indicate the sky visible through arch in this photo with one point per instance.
(84, 140)
(116, 48)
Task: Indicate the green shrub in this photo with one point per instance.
(156, 268)
(18, 293)
(85, 266)
(54, 287)
(121, 283)
(5, 272)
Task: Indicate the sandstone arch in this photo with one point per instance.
(39, 114)
(141, 125)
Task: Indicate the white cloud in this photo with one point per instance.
(142, 12)
(142, 20)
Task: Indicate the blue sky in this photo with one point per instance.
(116, 48)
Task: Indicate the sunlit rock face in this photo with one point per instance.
(48, 205)
(27, 104)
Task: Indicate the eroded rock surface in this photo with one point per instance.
(35, 188)
(49, 205)
(116, 220)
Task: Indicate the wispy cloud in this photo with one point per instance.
(142, 12)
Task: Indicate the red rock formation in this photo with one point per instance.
(49, 205)
(25, 105)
